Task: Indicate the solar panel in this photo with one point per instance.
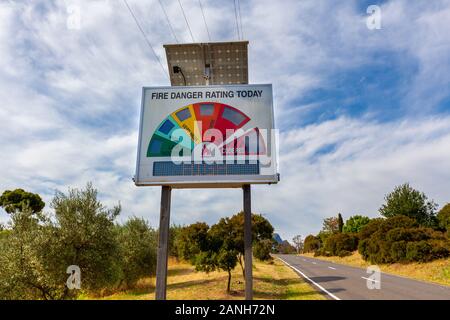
(218, 63)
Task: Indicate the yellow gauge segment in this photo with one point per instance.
(185, 117)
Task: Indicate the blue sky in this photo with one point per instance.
(360, 111)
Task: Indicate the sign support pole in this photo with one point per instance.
(248, 243)
(163, 245)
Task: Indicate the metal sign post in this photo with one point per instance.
(163, 245)
(248, 243)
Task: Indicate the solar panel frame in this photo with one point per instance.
(227, 63)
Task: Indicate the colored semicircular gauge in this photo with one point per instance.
(194, 121)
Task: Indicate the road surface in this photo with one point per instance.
(341, 282)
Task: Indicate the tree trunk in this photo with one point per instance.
(242, 266)
(229, 282)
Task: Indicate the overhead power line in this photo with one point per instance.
(185, 19)
(240, 18)
(168, 21)
(236, 19)
(145, 37)
(204, 19)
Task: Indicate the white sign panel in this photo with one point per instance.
(207, 136)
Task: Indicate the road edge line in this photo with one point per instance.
(307, 278)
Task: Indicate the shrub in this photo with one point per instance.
(137, 242)
(371, 227)
(418, 251)
(401, 239)
(340, 242)
(312, 244)
(444, 217)
(344, 253)
(398, 251)
(262, 249)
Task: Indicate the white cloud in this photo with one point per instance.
(70, 101)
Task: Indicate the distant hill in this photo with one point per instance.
(277, 238)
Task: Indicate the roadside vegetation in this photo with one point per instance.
(272, 280)
(437, 271)
(410, 231)
(37, 247)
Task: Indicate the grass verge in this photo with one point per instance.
(437, 271)
(273, 281)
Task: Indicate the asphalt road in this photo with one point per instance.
(341, 282)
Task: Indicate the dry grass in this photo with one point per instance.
(271, 281)
(437, 271)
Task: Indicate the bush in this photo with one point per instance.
(339, 242)
(444, 217)
(262, 249)
(418, 251)
(371, 227)
(400, 239)
(344, 253)
(138, 250)
(312, 244)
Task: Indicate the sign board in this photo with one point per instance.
(207, 136)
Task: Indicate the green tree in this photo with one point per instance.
(262, 249)
(41, 247)
(330, 225)
(355, 223)
(137, 241)
(220, 250)
(312, 243)
(15, 200)
(191, 240)
(340, 222)
(261, 230)
(406, 201)
(87, 236)
(174, 233)
(444, 217)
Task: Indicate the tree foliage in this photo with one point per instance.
(17, 199)
(355, 223)
(221, 246)
(444, 217)
(312, 243)
(401, 239)
(37, 248)
(137, 241)
(262, 249)
(406, 201)
(330, 225)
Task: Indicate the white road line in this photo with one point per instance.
(331, 268)
(370, 279)
(314, 263)
(314, 283)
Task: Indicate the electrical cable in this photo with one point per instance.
(236, 19)
(240, 18)
(146, 39)
(168, 21)
(204, 19)
(185, 19)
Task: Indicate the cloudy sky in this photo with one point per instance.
(360, 111)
